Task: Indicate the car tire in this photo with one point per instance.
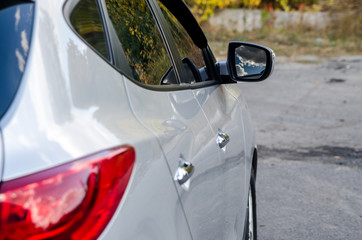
(251, 223)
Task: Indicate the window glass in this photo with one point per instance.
(184, 44)
(16, 26)
(140, 40)
(86, 20)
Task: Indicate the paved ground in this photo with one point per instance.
(308, 118)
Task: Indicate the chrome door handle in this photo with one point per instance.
(222, 138)
(184, 171)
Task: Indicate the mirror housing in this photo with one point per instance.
(249, 62)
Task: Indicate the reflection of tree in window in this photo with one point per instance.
(184, 43)
(140, 39)
(86, 21)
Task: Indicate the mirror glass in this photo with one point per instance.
(250, 61)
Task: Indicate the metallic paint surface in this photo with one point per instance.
(250, 142)
(216, 189)
(224, 112)
(72, 103)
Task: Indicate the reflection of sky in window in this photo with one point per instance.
(21, 61)
(14, 48)
(246, 67)
(25, 47)
(17, 18)
(17, 36)
(24, 43)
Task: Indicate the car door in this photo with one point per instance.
(224, 115)
(170, 110)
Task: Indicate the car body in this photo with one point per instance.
(118, 122)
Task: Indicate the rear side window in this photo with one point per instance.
(140, 39)
(16, 22)
(86, 20)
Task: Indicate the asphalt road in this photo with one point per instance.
(308, 120)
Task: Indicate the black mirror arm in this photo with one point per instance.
(223, 71)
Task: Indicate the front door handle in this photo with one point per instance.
(222, 138)
(184, 171)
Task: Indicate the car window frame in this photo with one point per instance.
(165, 39)
(68, 8)
(208, 56)
(121, 65)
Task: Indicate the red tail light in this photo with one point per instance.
(73, 201)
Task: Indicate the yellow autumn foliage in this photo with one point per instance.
(203, 9)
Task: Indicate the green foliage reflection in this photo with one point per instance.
(140, 39)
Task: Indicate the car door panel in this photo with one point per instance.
(226, 217)
(180, 125)
(250, 146)
(179, 122)
(224, 115)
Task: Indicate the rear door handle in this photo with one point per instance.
(184, 171)
(222, 138)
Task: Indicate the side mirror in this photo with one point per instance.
(249, 62)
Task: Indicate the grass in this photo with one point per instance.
(292, 41)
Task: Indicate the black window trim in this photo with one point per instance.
(120, 60)
(194, 31)
(106, 32)
(167, 39)
(119, 66)
(68, 7)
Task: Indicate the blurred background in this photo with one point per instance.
(307, 115)
(324, 28)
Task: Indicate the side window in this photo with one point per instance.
(190, 54)
(140, 39)
(16, 23)
(86, 20)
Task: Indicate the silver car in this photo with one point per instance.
(117, 122)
